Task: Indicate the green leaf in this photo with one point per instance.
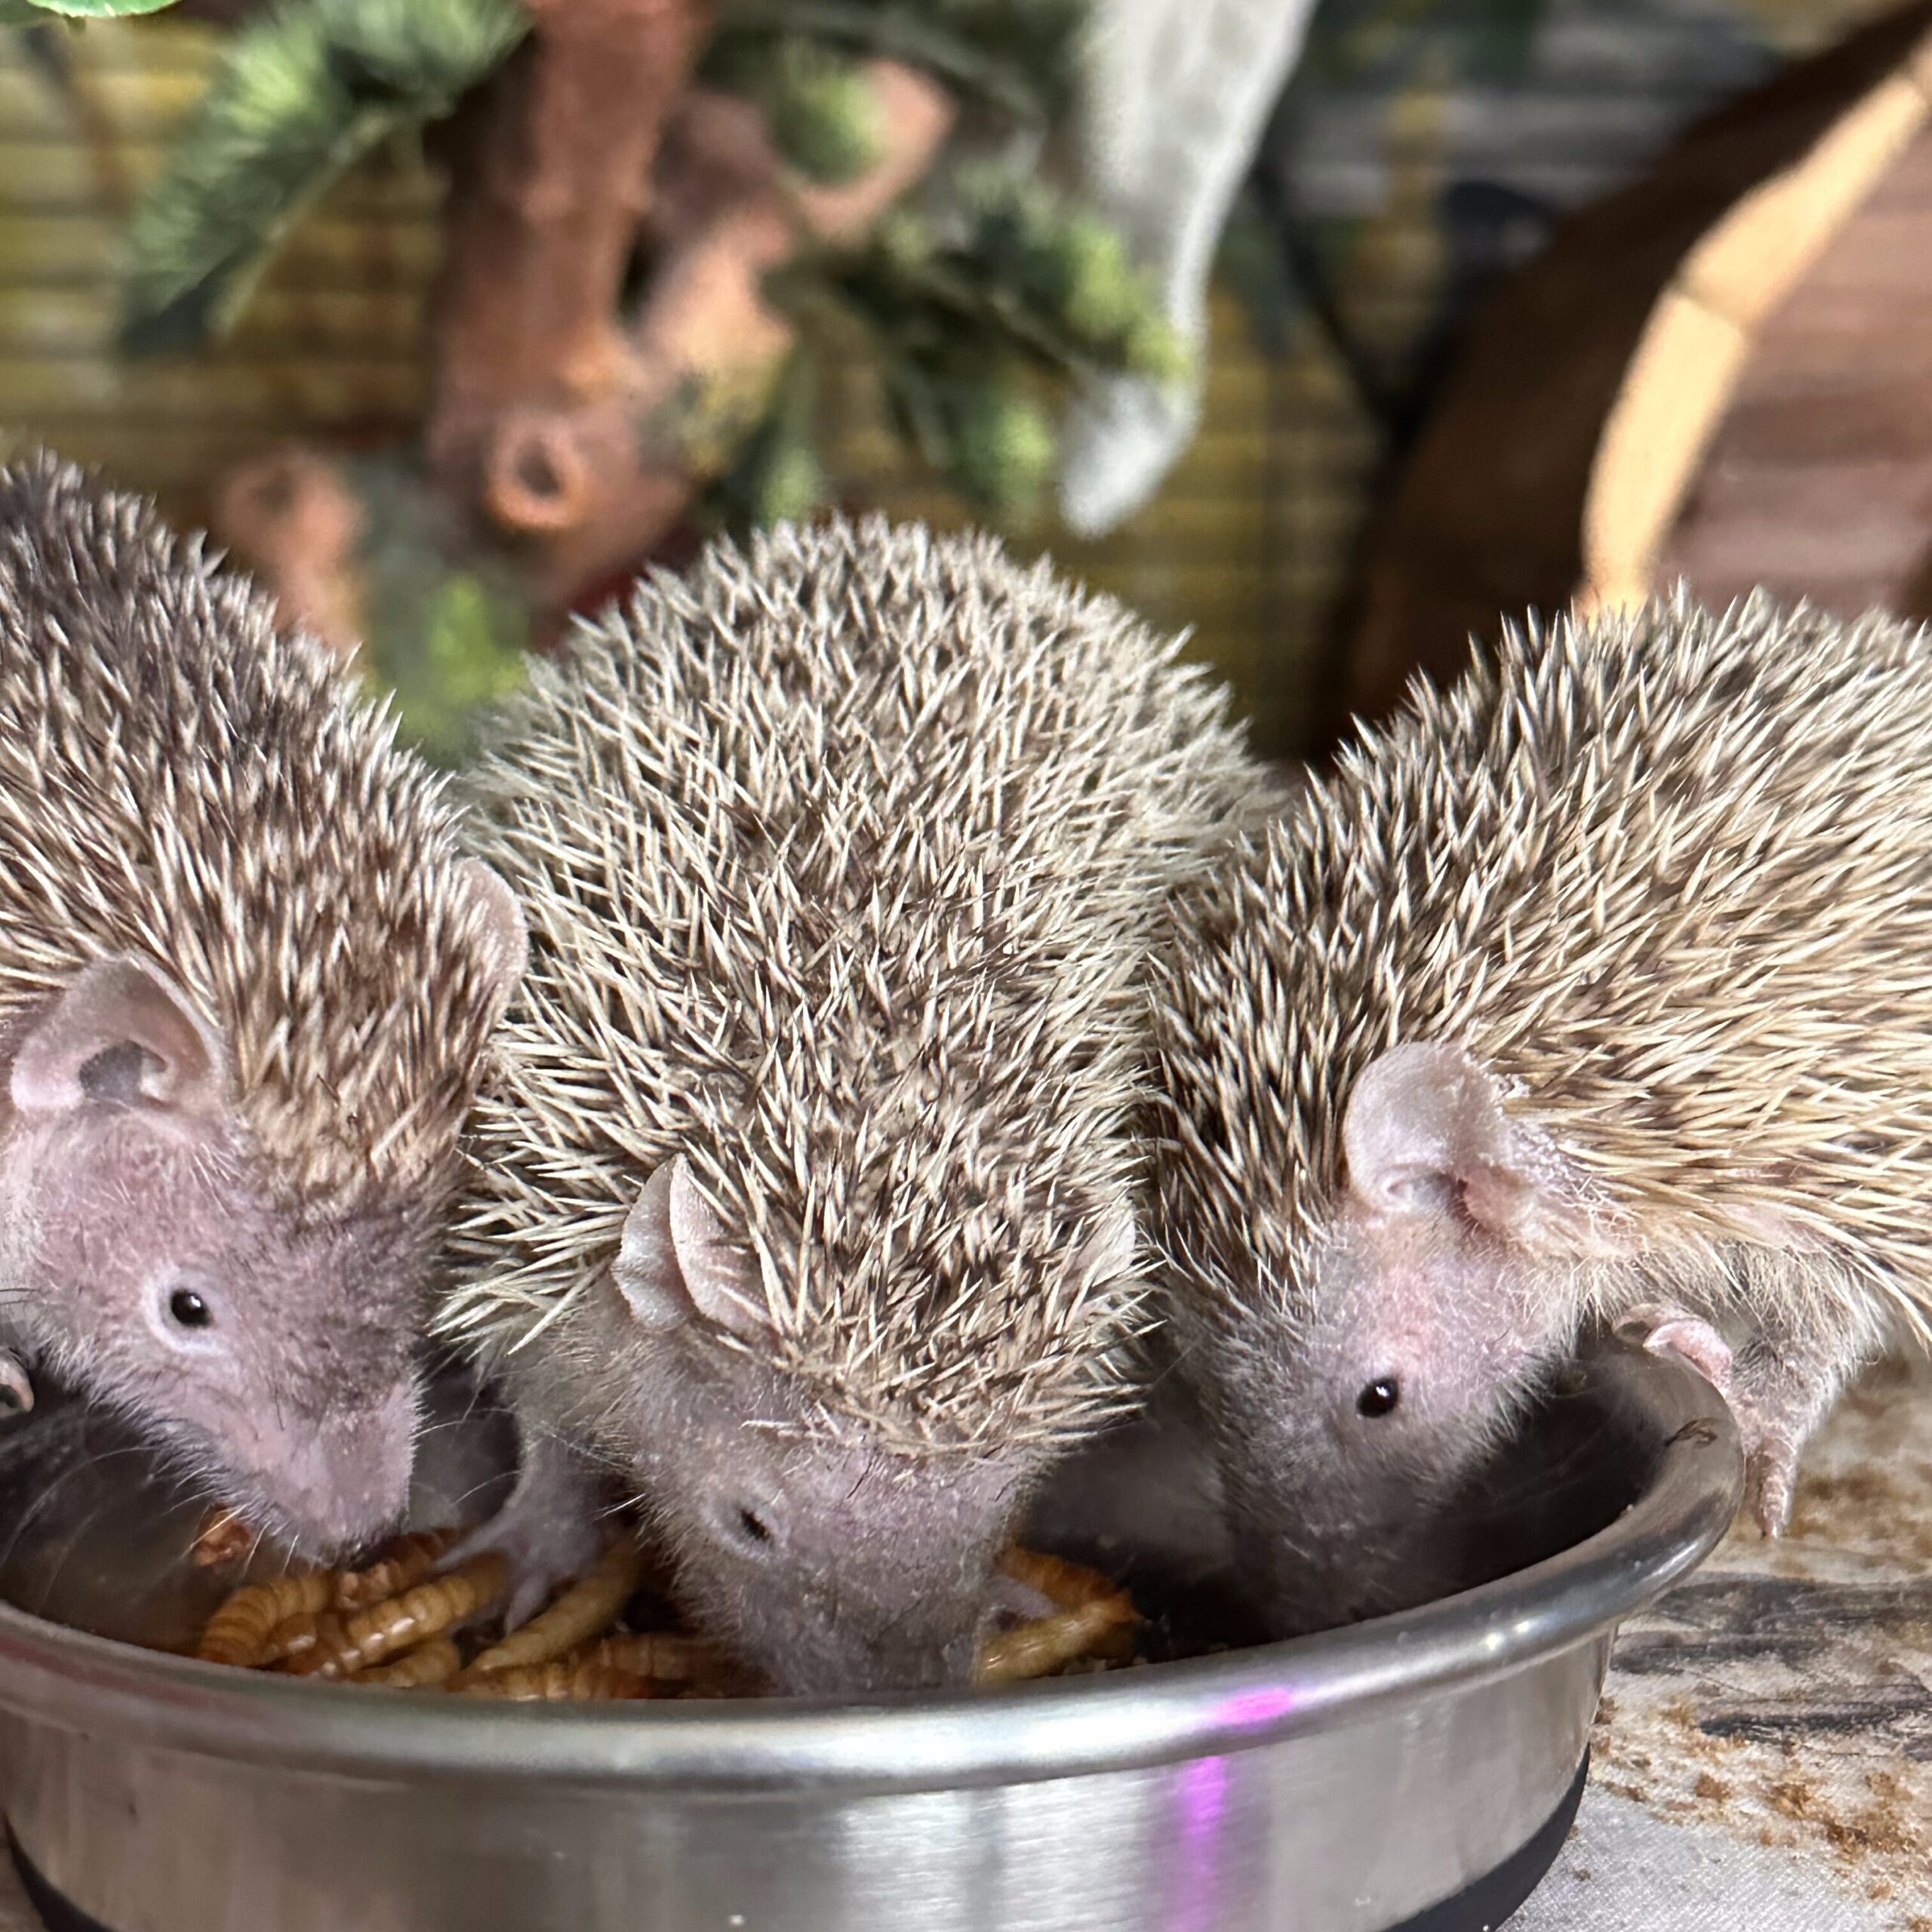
(103, 10)
(824, 113)
(1028, 270)
(33, 13)
(445, 622)
(298, 100)
(1015, 55)
(1004, 447)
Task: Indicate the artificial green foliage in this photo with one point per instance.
(825, 116)
(1063, 275)
(443, 644)
(1015, 56)
(1003, 445)
(981, 309)
(777, 477)
(791, 483)
(980, 305)
(298, 98)
(472, 657)
(35, 13)
(444, 630)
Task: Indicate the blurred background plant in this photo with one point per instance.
(664, 217)
(446, 316)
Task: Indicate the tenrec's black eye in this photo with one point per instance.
(1380, 1397)
(187, 1309)
(751, 1526)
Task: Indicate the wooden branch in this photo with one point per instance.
(578, 434)
(551, 175)
(705, 346)
(290, 518)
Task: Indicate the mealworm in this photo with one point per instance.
(1092, 1613)
(665, 1657)
(411, 1559)
(378, 1632)
(300, 1635)
(1065, 1585)
(432, 1663)
(238, 1632)
(1036, 1649)
(560, 1679)
(585, 1609)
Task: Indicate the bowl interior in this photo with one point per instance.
(96, 1531)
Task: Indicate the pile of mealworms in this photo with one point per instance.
(401, 1623)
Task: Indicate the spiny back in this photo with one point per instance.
(179, 782)
(1664, 874)
(840, 858)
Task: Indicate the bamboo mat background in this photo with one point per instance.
(1424, 148)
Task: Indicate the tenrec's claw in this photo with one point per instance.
(585, 1609)
(1770, 1482)
(1689, 1335)
(543, 1558)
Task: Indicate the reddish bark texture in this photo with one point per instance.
(551, 177)
(291, 519)
(700, 353)
(576, 433)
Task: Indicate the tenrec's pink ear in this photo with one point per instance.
(121, 1031)
(1424, 1128)
(506, 932)
(675, 1263)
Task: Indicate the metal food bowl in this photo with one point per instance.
(1417, 1771)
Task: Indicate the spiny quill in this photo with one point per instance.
(246, 976)
(838, 858)
(182, 782)
(803, 1192)
(1594, 987)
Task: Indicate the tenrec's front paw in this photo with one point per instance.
(546, 1551)
(1690, 1335)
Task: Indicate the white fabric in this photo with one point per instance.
(1176, 94)
(1625, 1870)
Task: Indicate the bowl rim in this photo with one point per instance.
(1195, 1707)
